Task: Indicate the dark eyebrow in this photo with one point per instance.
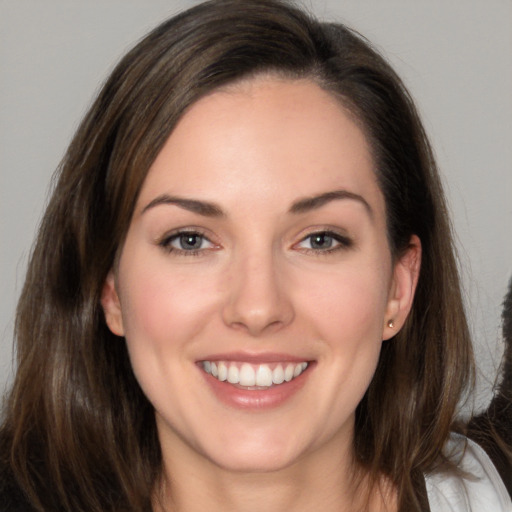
(193, 205)
(314, 202)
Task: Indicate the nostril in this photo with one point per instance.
(258, 300)
(260, 322)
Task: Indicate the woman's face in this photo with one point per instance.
(255, 285)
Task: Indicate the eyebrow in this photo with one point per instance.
(208, 209)
(314, 202)
(204, 208)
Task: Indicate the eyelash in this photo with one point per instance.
(167, 240)
(342, 243)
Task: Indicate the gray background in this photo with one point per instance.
(455, 56)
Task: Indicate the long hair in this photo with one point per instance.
(79, 435)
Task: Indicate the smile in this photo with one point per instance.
(255, 376)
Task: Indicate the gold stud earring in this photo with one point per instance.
(391, 324)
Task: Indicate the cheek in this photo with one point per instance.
(162, 309)
(349, 301)
(164, 313)
(346, 309)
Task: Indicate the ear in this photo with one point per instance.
(405, 278)
(112, 306)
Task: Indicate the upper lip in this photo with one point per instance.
(255, 358)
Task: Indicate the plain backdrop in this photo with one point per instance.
(455, 56)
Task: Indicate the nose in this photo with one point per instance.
(258, 300)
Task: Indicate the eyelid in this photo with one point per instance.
(344, 241)
(165, 240)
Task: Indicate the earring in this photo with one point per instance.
(391, 324)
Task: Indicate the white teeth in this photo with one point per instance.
(263, 376)
(247, 376)
(288, 373)
(278, 375)
(233, 374)
(223, 371)
(250, 375)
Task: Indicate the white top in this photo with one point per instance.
(485, 492)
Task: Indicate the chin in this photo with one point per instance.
(256, 456)
(254, 463)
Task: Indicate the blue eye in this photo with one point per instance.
(321, 241)
(186, 242)
(324, 241)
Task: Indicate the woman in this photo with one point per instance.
(243, 294)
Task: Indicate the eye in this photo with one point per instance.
(324, 241)
(186, 242)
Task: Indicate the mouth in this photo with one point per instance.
(255, 383)
(254, 376)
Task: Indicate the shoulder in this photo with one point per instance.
(476, 487)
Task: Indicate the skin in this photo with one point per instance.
(257, 285)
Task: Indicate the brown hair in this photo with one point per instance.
(78, 433)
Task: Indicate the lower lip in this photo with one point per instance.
(271, 397)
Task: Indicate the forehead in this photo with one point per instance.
(260, 139)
